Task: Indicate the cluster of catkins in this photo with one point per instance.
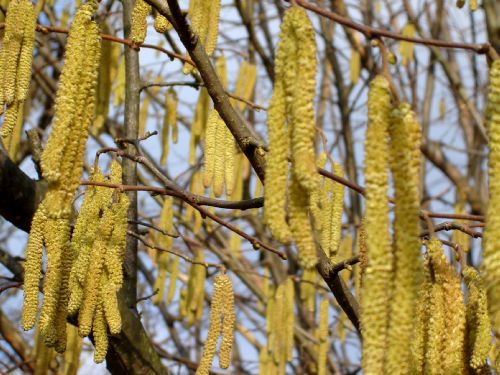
(402, 331)
(291, 134)
(166, 264)
(98, 244)
(84, 271)
(62, 163)
(280, 322)
(220, 147)
(16, 56)
(222, 320)
(139, 27)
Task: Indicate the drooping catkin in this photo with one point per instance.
(406, 48)
(448, 293)
(210, 147)
(62, 163)
(228, 322)
(491, 237)
(16, 57)
(164, 241)
(245, 84)
(322, 336)
(196, 289)
(478, 322)
(355, 66)
(405, 137)
(276, 162)
(219, 157)
(161, 24)
(301, 226)
(291, 127)
(205, 22)
(378, 274)
(71, 362)
(331, 214)
(216, 311)
(139, 27)
(308, 288)
(199, 123)
(169, 123)
(300, 95)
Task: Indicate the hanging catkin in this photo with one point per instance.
(222, 321)
(139, 27)
(491, 237)
(16, 57)
(406, 48)
(96, 276)
(322, 336)
(164, 241)
(195, 289)
(161, 24)
(61, 164)
(199, 123)
(378, 274)
(291, 126)
(478, 322)
(405, 166)
(169, 123)
(441, 315)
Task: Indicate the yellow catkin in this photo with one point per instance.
(478, 323)
(229, 155)
(139, 21)
(172, 284)
(300, 95)
(332, 214)
(323, 336)
(219, 157)
(165, 242)
(378, 273)
(228, 323)
(42, 355)
(32, 268)
(100, 336)
(109, 58)
(245, 84)
(169, 123)
(355, 66)
(301, 226)
(406, 48)
(289, 318)
(308, 288)
(72, 355)
(419, 342)
(199, 123)
(473, 5)
(276, 161)
(216, 310)
(405, 166)
(453, 337)
(16, 57)
(491, 237)
(119, 86)
(161, 24)
(196, 289)
(210, 147)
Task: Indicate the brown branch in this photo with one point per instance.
(373, 33)
(447, 226)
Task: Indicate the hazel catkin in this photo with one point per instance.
(378, 274)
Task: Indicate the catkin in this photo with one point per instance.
(276, 162)
(322, 336)
(378, 274)
(308, 288)
(291, 126)
(406, 48)
(405, 166)
(216, 311)
(331, 215)
(245, 84)
(196, 289)
(210, 147)
(478, 323)
(169, 123)
(16, 57)
(139, 27)
(449, 353)
(355, 66)
(491, 237)
(227, 324)
(163, 241)
(161, 24)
